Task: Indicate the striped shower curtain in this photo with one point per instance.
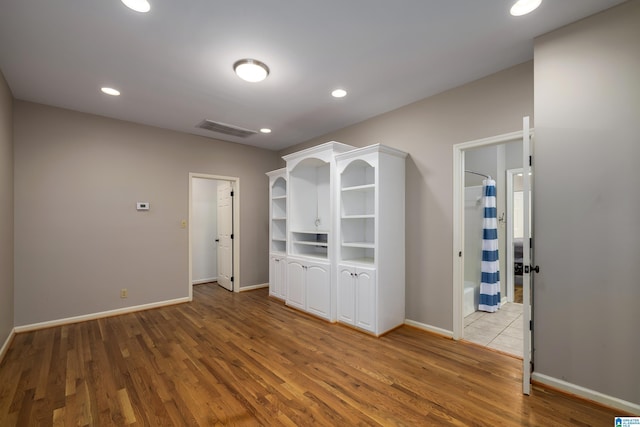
(490, 282)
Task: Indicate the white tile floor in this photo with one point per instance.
(501, 330)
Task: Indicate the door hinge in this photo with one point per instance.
(231, 194)
(530, 160)
(460, 254)
(531, 325)
(231, 235)
(531, 242)
(231, 278)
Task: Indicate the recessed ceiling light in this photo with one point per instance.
(110, 91)
(522, 7)
(138, 5)
(339, 93)
(265, 130)
(251, 70)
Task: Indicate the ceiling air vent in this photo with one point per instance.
(225, 129)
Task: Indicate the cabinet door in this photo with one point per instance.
(346, 295)
(318, 289)
(273, 265)
(281, 278)
(365, 285)
(295, 284)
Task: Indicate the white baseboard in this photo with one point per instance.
(586, 393)
(429, 328)
(7, 342)
(253, 287)
(201, 281)
(100, 315)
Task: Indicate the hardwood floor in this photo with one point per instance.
(245, 359)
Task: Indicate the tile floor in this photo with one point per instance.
(501, 330)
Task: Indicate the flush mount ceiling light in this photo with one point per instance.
(138, 5)
(265, 130)
(110, 91)
(522, 7)
(339, 93)
(251, 70)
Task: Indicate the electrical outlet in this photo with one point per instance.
(124, 293)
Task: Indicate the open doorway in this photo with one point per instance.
(491, 318)
(490, 231)
(213, 230)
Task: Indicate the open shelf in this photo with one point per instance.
(310, 243)
(279, 216)
(368, 261)
(365, 187)
(363, 216)
(358, 174)
(365, 245)
(278, 246)
(279, 189)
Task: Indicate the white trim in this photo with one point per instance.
(235, 184)
(7, 343)
(586, 393)
(207, 280)
(429, 328)
(99, 315)
(253, 287)
(458, 221)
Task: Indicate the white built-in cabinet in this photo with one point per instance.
(343, 231)
(278, 233)
(311, 178)
(371, 238)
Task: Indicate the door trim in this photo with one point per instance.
(458, 221)
(235, 182)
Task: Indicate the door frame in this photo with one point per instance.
(458, 238)
(235, 183)
(458, 221)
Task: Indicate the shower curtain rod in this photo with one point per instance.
(478, 173)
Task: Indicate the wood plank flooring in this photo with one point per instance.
(245, 359)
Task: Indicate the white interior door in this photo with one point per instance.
(225, 235)
(527, 258)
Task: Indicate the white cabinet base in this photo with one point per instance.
(357, 298)
(309, 286)
(278, 276)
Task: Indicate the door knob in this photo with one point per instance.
(536, 268)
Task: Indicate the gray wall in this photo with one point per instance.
(587, 202)
(78, 237)
(6, 211)
(427, 130)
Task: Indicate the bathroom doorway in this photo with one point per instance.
(462, 161)
(498, 326)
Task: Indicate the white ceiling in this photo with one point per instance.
(173, 65)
